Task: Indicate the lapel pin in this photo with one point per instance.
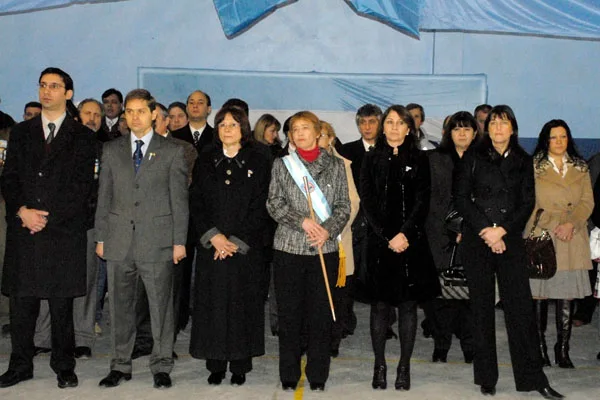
(151, 155)
(250, 172)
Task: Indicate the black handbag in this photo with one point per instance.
(454, 221)
(541, 256)
(453, 280)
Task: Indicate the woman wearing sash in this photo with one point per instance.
(227, 203)
(394, 192)
(299, 282)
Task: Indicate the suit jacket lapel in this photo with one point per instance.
(63, 137)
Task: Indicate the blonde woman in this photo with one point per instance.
(266, 131)
(343, 288)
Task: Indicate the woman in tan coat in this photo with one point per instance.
(343, 287)
(563, 190)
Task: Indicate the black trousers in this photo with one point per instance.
(453, 317)
(302, 301)
(482, 268)
(23, 315)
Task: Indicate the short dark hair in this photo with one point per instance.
(368, 110)
(90, 100)
(406, 117)
(112, 91)
(460, 119)
(141, 94)
(413, 106)
(286, 126)
(240, 117)
(208, 101)
(239, 103)
(34, 104)
(541, 148)
(486, 108)
(66, 78)
(177, 104)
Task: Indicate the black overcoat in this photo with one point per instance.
(392, 277)
(229, 194)
(50, 263)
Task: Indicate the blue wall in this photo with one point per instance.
(102, 45)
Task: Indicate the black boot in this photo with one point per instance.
(541, 319)
(564, 323)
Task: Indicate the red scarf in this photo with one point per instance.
(308, 155)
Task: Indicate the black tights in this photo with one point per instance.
(407, 330)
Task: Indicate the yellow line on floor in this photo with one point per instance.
(299, 393)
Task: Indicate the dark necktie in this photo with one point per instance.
(138, 155)
(50, 137)
(196, 138)
(371, 148)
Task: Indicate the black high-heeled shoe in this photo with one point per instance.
(439, 355)
(238, 379)
(550, 394)
(289, 386)
(488, 390)
(403, 378)
(379, 377)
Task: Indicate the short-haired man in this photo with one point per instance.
(46, 182)
(197, 131)
(112, 100)
(32, 110)
(424, 140)
(141, 227)
(481, 112)
(177, 116)
(84, 307)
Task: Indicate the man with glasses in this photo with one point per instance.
(46, 183)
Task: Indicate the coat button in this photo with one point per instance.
(137, 186)
(137, 203)
(227, 181)
(131, 222)
(40, 174)
(503, 210)
(228, 172)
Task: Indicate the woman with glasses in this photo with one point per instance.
(227, 203)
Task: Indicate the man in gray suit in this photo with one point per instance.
(141, 228)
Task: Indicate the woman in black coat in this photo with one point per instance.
(451, 316)
(227, 203)
(394, 193)
(493, 190)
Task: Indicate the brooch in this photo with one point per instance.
(250, 172)
(408, 168)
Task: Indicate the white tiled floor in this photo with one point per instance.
(350, 377)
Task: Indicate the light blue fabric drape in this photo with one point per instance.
(237, 15)
(16, 6)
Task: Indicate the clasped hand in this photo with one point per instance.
(492, 236)
(399, 243)
(315, 233)
(565, 231)
(32, 219)
(223, 247)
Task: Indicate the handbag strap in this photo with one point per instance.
(538, 215)
(453, 256)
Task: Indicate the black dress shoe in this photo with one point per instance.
(67, 379)
(379, 377)
(317, 387)
(488, 390)
(162, 380)
(238, 379)
(469, 356)
(335, 352)
(140, 352)
(114, 378)
(403, 378)
(11, 378)
(82, 352)
(215, 378)
(288, 386)
(549, 393)
(40, 350)
(439, 355)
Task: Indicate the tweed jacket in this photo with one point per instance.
(288, 206)
(568, 199)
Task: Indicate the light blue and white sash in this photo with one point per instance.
(298, 171)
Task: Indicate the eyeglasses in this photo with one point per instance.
(223, 125)
(51, 86)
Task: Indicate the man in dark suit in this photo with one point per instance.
(367, 121)
(197, 131)
(141, 228)
(112, 100)
(46, 183)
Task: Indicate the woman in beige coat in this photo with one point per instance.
(563, 190)
(343, 287)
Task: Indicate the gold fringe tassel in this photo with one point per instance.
(341, 280)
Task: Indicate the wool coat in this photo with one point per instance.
(568, 199)
(50, 263)
(228, 196)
